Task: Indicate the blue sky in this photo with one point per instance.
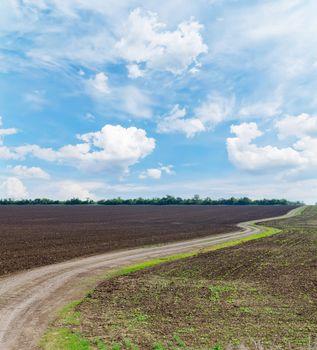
(128, 98)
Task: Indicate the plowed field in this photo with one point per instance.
(33, 236)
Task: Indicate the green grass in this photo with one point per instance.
(100, 344)
(68, 315)
(179, 342)
(140, 317)
(64, 339)
(217, 291)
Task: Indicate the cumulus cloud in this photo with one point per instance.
(211, 112)
(113, 148)
(13, 188)
(23, 171)
(147, 41)
(249, 157)
(298, 126)
(134, 71)
(156, 173)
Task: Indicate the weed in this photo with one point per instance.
(100, 344)
(140, 317)
(217, 291)
(217, 347)
(245, 310)
(179, 341)
(129, 345)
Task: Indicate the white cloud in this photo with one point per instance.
(211, 112)
(72, 189)
(57, 37)
(5, 132)
(307, 147)
(134, 71)
(13, 188)
(151, 173)
(298, 126)
(175, 121)
(146, 41)
(23, 171)
(156, 173)
(7, 154)
(249, 157)
(113, 148)
(98, 85)
(214, 110)
(246, 132)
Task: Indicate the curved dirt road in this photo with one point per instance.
(28, 300)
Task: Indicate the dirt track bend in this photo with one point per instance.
(29, 299)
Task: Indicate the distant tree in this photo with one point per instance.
(166, 200)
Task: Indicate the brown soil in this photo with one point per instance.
(262, 292)
(33, 236)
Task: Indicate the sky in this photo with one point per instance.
(100, 99)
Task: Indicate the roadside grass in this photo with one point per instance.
(68, 315)
(268, 232)
(65, 334)
(64, 338)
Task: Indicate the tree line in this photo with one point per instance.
(166, 200)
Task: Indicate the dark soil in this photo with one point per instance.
(32, 236)
(261, 292)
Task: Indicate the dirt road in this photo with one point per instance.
(29, 300)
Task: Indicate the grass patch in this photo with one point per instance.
(64, 339)
(140, 317)
(179, 341)
(245, 310)
(217, 291)
(68, 316)
(100, 344)
(150, 263)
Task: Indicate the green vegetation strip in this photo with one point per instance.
(62, 338)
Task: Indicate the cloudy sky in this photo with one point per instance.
(131, 98)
